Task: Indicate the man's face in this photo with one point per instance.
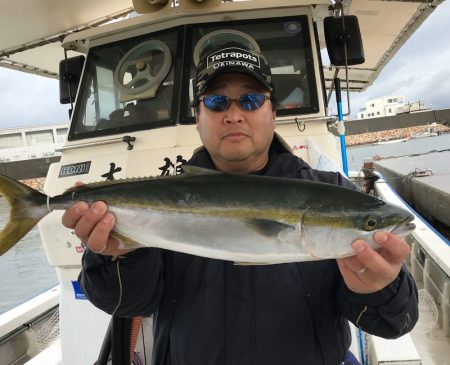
(237, 140)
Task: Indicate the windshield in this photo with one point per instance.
(285, 42)
(146, 82)
(127, 86)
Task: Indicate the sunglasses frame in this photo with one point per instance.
(230, 99)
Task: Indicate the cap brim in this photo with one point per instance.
(240, 70)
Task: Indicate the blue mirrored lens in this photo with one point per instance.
(219, 103)
(252, 101)
(216, 103)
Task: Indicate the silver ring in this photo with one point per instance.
(362, 271)
(103, 249)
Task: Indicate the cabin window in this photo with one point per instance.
(128, 85)
(285, 42)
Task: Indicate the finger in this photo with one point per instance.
(111, 247)
(99, 239)
(395, 248)
(374, 261)
(79, 183)
(72, 215)
(351, 263)
(366, 255)
(90, 218)
(348, 266)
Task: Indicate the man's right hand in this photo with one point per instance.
(93, 225)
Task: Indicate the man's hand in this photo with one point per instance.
(370, 271)
(93, 225)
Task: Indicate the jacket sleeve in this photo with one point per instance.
(328, 177)
(388, 313)
(129, 286)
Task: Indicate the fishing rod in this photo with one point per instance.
(341, 126)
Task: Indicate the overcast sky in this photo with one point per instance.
(420, 71)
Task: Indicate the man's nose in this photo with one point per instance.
(234, 114)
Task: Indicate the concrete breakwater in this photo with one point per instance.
(387, 135)
(36, 184)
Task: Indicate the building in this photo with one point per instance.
(26, 143)
(388, 106)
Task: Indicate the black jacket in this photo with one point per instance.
(212, 312)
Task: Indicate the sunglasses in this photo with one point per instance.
(220, 103)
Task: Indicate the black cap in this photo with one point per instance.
(231, 59)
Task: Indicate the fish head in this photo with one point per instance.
(330, 235)
(388, 218)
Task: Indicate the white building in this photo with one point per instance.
(25, 143)
(388, 106)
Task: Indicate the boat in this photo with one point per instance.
(431, 131)
(389, 141)
(26, 152)
(425, 134)
(128, 122)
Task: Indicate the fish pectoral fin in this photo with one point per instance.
(194, 170)
(237, 263)
(268, 228)
(124, 241)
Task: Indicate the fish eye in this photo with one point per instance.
(370, 224)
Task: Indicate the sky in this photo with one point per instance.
(420, 71)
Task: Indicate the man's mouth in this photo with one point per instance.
(235, 136)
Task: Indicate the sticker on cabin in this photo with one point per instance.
(78, 291)
(112, 170)
(170, 168)
(300, 147)
(74, 169)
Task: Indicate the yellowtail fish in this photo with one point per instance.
(236, 217)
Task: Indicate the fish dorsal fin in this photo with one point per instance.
(195, 170)
(189, 170)
(99, 184)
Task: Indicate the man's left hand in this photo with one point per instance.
(371, 270)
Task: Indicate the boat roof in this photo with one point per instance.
(40, 27)
(31, 32)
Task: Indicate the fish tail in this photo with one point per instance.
(26, 207)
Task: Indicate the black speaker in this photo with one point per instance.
(69, 78)
(336, 38)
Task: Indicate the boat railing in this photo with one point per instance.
(25, 330)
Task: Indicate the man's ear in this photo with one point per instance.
(196, 115)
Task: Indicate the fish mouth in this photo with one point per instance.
(405, 227)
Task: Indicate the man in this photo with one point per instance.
(214, 312)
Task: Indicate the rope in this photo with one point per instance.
(135, 328)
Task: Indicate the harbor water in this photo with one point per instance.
(25, 272)
(414, 146)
